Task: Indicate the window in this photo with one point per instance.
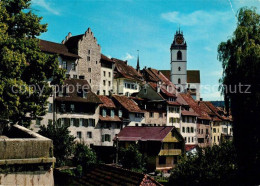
(89, 134)
(120, 113)
(79, 135)
(207, 131)
(191, 129)
(201, 131)
(73, 67)
(179, 81)
(112, 113)
(179, 55)
(188, 129)
(185, 139)
(200, 140)
(189, 139)
(72, 107)
(88, 52)
(106, 137)
(63, 107)
(81, 77)
(145, 91)
(109, 83)
(214, 138)
(162, 160)
(104, 73)
(91, 122)
(170, 145)
(138, 115)
(89, 69)
(75, 76)
(151, 114)
(64, 64)
(179, 68)
(160, 115)
(72, 122)
(104, 112)
(218, 138)
(109, 74)
(89, 80)
(192, 140)
(183, 129)
(104, 82)
(136, 124)
(50, 107)
(80, 122)
(38, 121)
(88, 58)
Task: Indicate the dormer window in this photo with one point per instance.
(104, 113)
(179, 55)
(112, 114)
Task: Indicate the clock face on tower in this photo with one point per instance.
(179, 40)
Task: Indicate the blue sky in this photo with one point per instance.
(124, 26)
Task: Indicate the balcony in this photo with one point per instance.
(171, 152)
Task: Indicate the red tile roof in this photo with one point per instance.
(195, 106)
(189, 147)
(111, 175)
(126, 71)
(105, 58)
(107, 102)
(127, 103)
(193, 76)
(174, 103)
(109, 118)
(144, 133)
(73, 85)
(188, 113)
(56, 48)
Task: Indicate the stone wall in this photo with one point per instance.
(90, 68)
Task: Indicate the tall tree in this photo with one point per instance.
(63, 142)
(240, 57)
(24, 69)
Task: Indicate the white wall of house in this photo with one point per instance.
(188, 130)
(106, 80)
(195, 86)
(124, 86)
(173, 112)
(136, 119)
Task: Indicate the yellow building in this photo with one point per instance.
(161, 145)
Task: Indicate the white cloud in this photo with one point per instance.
(128, 56)
(46, 5)
(197, 18)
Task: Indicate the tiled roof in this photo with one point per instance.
(189, 147)
(144, 133)
(56, 48)
(193, 76)
(163, 92)
(195, 106)
(166, 73)
(105, 58)
(181, 100)
(109, 118)
(126, 71)
(107, 102)
(72, 43)
(174, 103)
(154, 75)
(188, 113)
(72, 96)
(127, 103)
(111, 175)
(213, 110)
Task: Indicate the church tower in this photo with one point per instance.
(179, 61)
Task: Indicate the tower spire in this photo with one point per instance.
(137, 66)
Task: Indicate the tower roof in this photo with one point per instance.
(179, 41)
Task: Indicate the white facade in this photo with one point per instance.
(173, 116)
(136, 119)
(106, 80)
(125, 87)
(188, 129)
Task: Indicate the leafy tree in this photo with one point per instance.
(25, 70)
(63, 142)
(210, 166)
(240, 57)
(132, 159)
(84, 156)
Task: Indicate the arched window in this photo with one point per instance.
(179, 55)
(179, 68)
(179, 81)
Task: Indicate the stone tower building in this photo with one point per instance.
(179, 61)
(89, 66)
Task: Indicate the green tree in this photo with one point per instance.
(84, 156)
(63, 142)
(240, 57)
(132, 159)
(24, 69)
(209, 166)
